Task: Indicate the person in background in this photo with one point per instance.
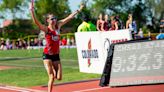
(64, 41)
(134, 26)
(129, 22)
(140, 33)
(99, 22)
(105, 25)
(8, 43)
(149, 35)
(118, 23)
(86, 24)
(68, 42)
(36, 42)
(72, 41)
(32, 42)
(129, 25)
(161, 34)
(2, 44)
(114, 23)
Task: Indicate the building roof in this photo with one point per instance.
(6, 23)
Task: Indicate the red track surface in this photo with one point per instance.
(92, 86)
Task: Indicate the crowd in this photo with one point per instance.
(114, 23)
(103, 24)
(7, 44)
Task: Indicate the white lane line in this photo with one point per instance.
(91, 89)
(13, 89)
(18, 89)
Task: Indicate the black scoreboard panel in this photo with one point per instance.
(138, 63)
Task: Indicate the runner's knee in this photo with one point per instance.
(52, 77)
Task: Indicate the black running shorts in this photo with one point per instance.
(51, 57)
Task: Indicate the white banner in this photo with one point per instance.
(110, 37)
(92, 48)
(90, 52)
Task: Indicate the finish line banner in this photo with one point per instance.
(92, 48)
(138, 63)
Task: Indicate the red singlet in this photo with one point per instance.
(106, 27)
(52, 42)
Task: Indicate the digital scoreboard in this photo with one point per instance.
(138, 63)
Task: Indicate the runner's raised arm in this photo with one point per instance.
(41, 26)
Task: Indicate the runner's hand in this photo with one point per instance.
(32, 5)
(81, 7)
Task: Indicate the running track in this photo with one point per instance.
(86, 86)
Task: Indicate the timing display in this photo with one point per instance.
(140, 61)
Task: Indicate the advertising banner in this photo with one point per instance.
(92, 48)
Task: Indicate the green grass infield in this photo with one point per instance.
(29, 70)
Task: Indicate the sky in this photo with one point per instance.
(74, 4)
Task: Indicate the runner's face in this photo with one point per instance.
(52, 20)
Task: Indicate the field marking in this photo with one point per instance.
(19, 89)
(35, 66)
(2, 58)
(92, 89)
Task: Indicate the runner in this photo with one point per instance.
(51, 51)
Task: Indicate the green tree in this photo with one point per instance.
(157, 7)
(157, 10)
(12, 6)
(21, 26)
(101, 6)
(59, 8)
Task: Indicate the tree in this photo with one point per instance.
(157, 10)
(12, 6)
(21, 26)
(109, 6)
(59, 8)
(157, 7)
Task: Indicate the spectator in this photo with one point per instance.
(86, 25)
(118, 23)
(24, 44)
(129, 25)
(105, 25)
(100, 22)
(72, 41)
(20, 44)
(40, 43)
(8, 43)
(64, 41)
(114, 24)
(68, 42)
(140, 33)
(13, 44)
(44, 42)
(2, 44)
(32, 42)
(36, 42)
(129, 22)
(149, 35)
(134, 26)
(160, 36)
